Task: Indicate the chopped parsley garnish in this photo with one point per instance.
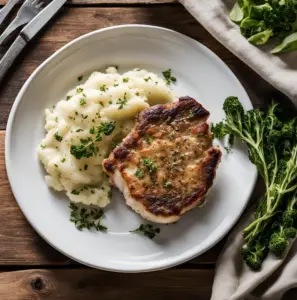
(58, 137)
(114, 145)
(115, 85)
(125, 79)
(137, 94)
(87, 147)
(139, 173)
(167, 77)
(56, 119)
(182, 156)
(79, 78)
(101, 103)
(84, 116)
(103, 88)
(79, 90)
(63, 160)
(86, 217)
(92, 130)
(75, 192)
(147, 139)
(122, 102)
(42, 147)
(79, 130)
(110, 102)
(147, 79)
(86, 167)
(167, 184)
(68, 97)
(149, 164)
(228, 149)
(82, 101)
(148, 230)
(106, 127)
(71, 118)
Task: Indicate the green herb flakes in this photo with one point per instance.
(103, 88)
(148, 230)
(168, 77)
(82, 101)
(86, 217)
(139, 173)
(167, 185)
(58, 137)
(148, 163)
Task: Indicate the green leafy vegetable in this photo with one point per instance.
(261, 19)
(236, 14)
(288, 44)
(147, 230)
(272, 147)
(86, 217)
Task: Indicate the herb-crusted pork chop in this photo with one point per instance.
(167, 164)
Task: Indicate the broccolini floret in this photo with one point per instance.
(272, 147)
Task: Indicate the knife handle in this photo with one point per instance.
(10, 56)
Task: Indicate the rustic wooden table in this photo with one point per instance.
(29, 267)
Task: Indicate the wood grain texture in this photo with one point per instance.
(77, 284)
(71, 23)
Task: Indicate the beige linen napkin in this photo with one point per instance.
(233, 279)
(280, 71)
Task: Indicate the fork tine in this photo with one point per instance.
(39, 5)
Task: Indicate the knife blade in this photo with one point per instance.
(28, 33)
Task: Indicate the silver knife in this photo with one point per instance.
(27, 34)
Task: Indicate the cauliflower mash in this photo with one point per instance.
(82, 129)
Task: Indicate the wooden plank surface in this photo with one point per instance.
(68, 25)
(77, 284)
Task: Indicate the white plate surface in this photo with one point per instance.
(200, 74)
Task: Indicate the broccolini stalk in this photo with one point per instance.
(272, 147)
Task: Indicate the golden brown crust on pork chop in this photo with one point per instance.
(167, 164)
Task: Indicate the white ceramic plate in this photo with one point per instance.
(200, 74)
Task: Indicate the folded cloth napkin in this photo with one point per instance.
(233, 279)
(279, 70)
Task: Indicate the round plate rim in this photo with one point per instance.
(159, 266)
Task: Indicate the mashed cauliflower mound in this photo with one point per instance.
(105, 98)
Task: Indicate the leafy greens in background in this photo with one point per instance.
(261, 19)
(272, 148)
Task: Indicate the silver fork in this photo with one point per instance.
(27, 12)
(7, 9)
